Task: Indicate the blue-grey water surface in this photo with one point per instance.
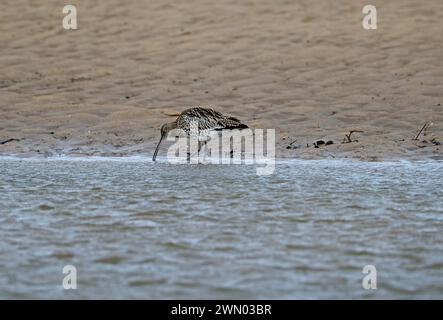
(137, 229)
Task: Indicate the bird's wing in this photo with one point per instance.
(207, 119)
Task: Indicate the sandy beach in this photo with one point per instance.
(307, 69)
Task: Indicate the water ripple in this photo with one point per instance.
(135, 229)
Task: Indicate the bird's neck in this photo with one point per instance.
(171, 125)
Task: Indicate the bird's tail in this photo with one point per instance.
(241, 126)
(234, 123)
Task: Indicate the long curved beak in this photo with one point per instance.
(156, 149)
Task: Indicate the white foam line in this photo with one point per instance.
(163, 160)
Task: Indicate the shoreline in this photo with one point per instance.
(363, 146)
(162, 159)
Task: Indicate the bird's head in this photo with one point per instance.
(164, 130)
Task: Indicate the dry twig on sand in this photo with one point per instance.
(347, 138)
(8, 140)
(425, 126)
(171, 113)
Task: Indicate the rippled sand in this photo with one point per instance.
(306, 68)
(138, 230)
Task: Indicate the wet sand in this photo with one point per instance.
(306, 68)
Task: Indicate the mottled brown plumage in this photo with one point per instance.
(205, 119)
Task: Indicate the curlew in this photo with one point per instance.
(207, 121)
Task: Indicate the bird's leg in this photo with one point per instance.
(191, 155)
(231, 144)
(188, 154)
(201, 144)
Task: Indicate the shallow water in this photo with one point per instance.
(135, 229)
